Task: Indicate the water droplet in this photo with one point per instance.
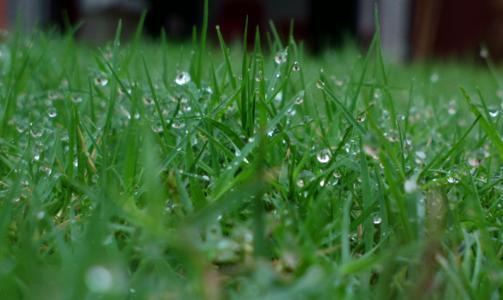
(300, 183)
(322, 183)
(323, 156)
(281, 57)
(493, 113)
(182, 78)
(420, 157)
(46, 169)
(178, 125)
(371, 151)
(452, 108)
(76, 99)
(52, 113)
(40, 215)
(376, 219)
(299, 100)
(101, 81)
(484, 52)
(296, 66)
(320, 84)
(434, 78)
(99, 279)
(452, 180)
(410, 185)
(148, 101)
(474, 162)
(278, 96)
(361, 118)
(36, 133)
(76, 163)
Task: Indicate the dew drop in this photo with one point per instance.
(148, 101)
(280, 57)
(323, 156)
(182, 78)
(376, 219)
(493, 113)
(101, 81)
(40, 215)
(484, 53)
(178, 125)
(410, 185)
(296, 67)
(299, 100)
(52, 113)
(300, 183)
(361, 118)
(452, 180)
(371, 151)
(99, 279)
(420, 157)
(474, 162)
(434, 78)
(36, 133)
(320, 84)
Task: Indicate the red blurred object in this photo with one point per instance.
(233, 13)
(457, 27)
(3, 14)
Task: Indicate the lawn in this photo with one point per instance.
(156, 170)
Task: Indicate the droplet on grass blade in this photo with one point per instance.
(484, 52)
(296, 66)
(452, 180)
(376, 219)
(182, 78)
(323, 156)
(474, 162)
(52, 113)
(101, 81)
(280, 57)
(178, 125)
(99, 279)
(371, 151)
(410, 185)
(493, 113)
(320, 84)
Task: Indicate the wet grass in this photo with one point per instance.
(159, 171)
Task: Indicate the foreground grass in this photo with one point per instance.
(164, 172)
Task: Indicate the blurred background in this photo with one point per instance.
(411, 29)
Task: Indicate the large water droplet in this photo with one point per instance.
(182, 78)
(280, 57)
(410, 185)
(376, 219)
(323, 156)
(52, 113)
(493, 113)
(99, 279)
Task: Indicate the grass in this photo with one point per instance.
(159, 171)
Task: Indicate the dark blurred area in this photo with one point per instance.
(411, 29)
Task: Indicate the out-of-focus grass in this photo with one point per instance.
(157, 171)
